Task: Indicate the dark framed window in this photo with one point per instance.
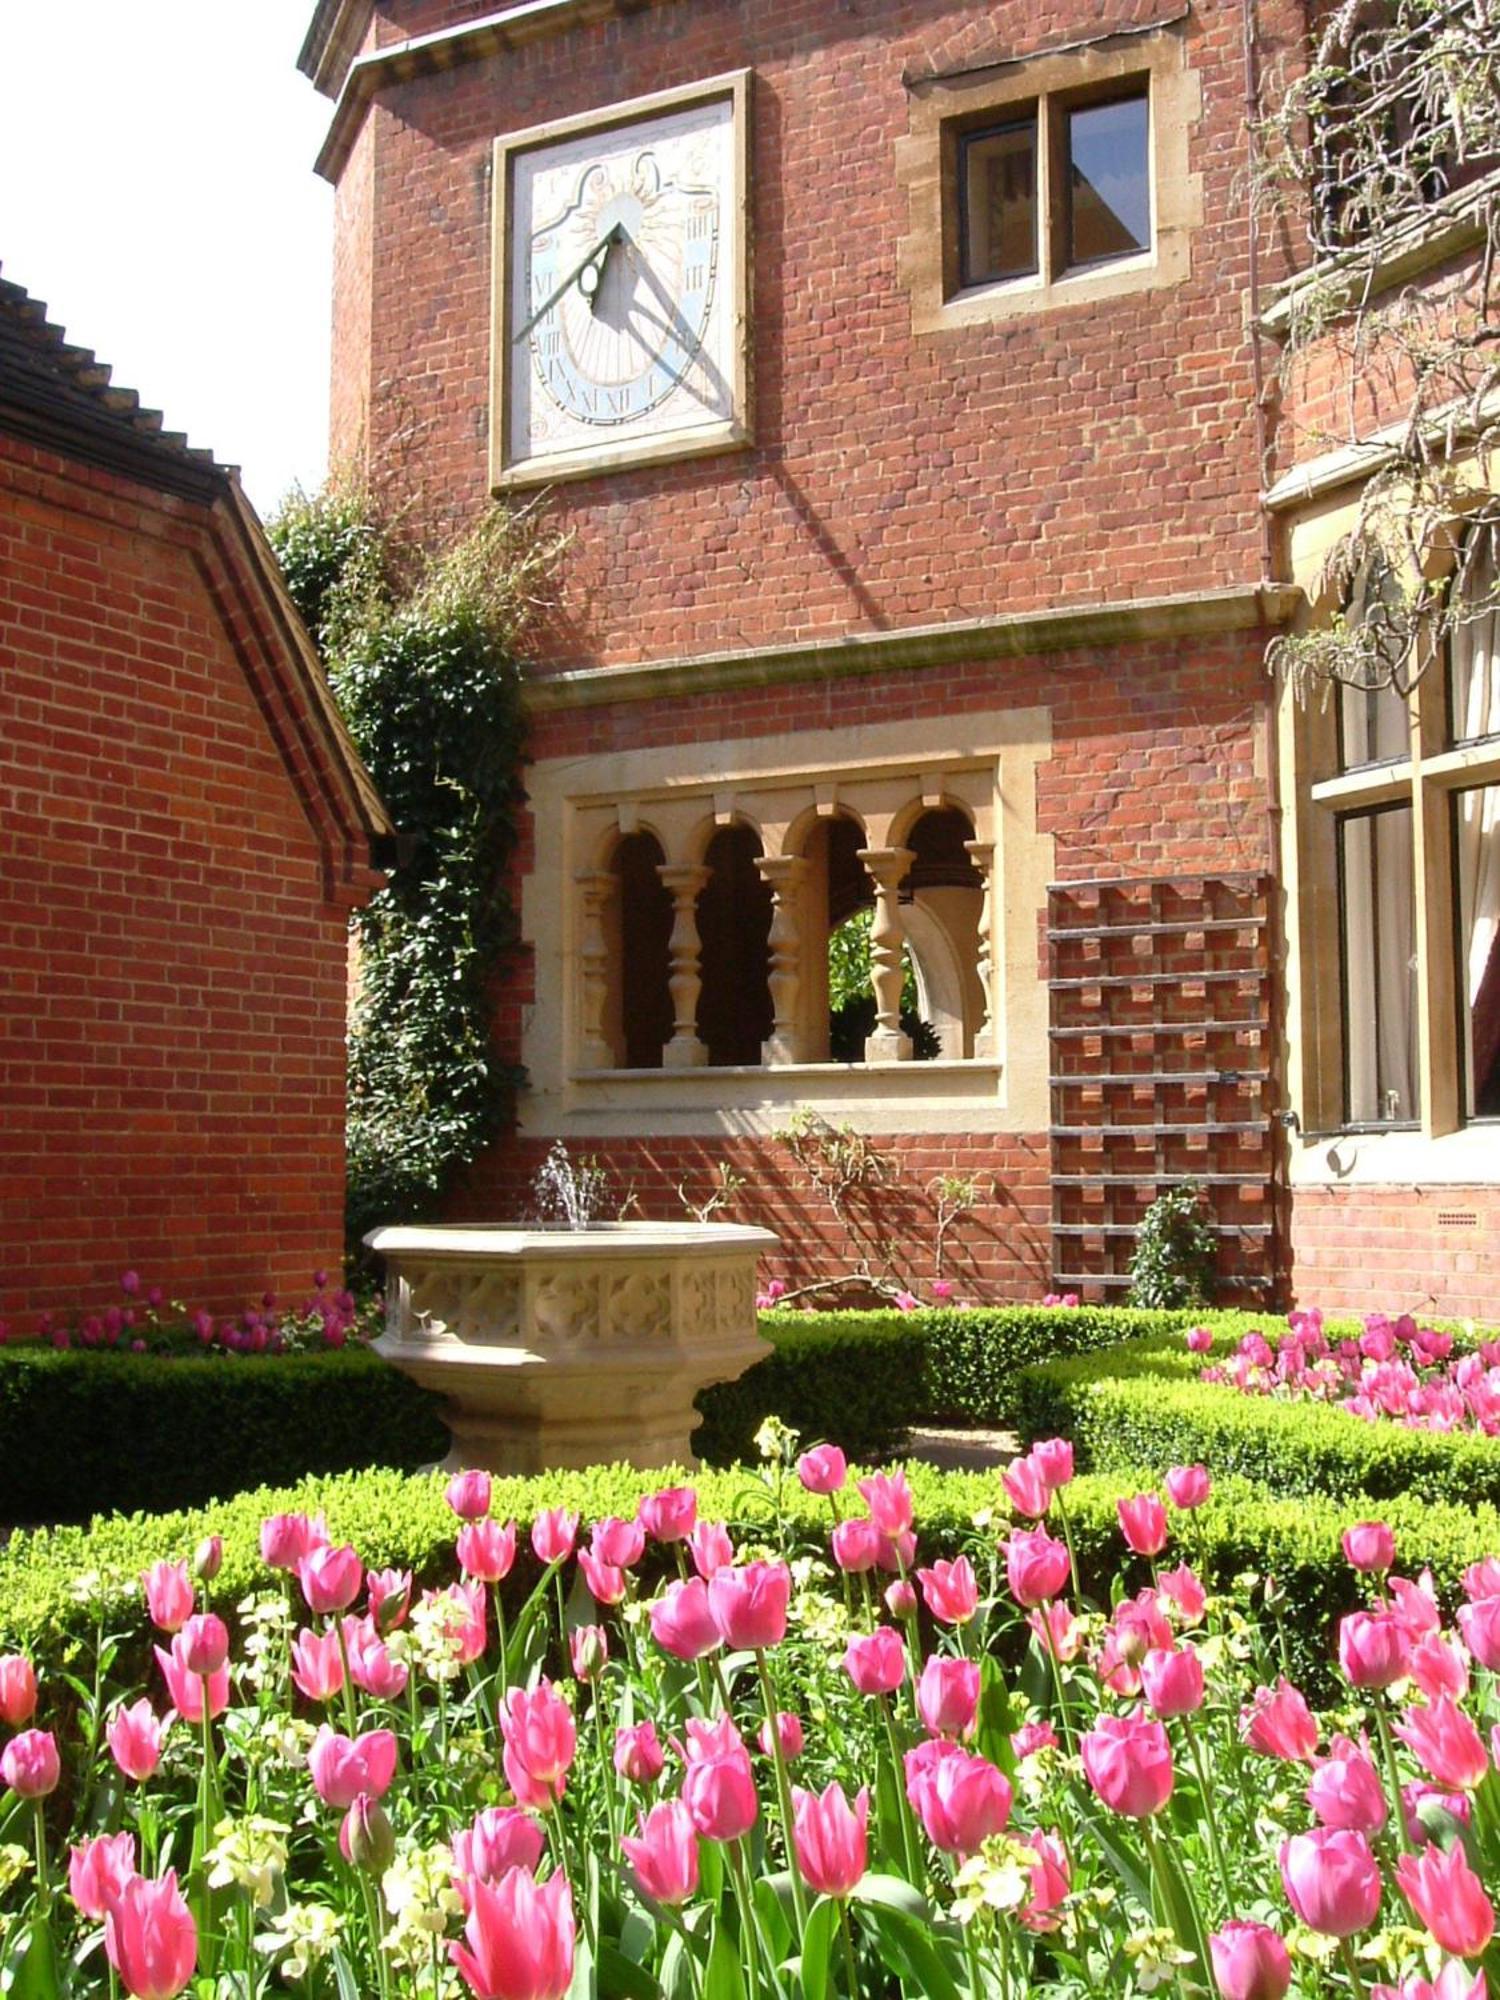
(997, 202)
(1107, 180)
(1377, 953)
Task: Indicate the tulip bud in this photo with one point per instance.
(900, 1599)
(589, 1646)
(366, 1838)
(208, 1558)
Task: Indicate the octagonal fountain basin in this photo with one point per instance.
(557, 1346)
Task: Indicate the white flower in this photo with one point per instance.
(306, 1933)
(249, 1853)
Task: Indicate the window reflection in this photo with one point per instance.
(998, 178)
(1109, 185)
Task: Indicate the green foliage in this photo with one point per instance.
(401, 1521)
(1173, 1265)
(429, 685)
(81, 1431)
(1144, 1405)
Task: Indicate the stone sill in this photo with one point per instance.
(1468, 1158)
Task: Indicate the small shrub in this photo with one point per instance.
(1173, 1265)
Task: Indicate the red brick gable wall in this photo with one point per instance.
(172, 1007)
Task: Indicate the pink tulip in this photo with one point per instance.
(169, 1595)
(1199, 1340)
(1036, 1566)
(317, 1665)
(1032, 1738)
(486, 1551)
(134, 1738)
(588, 1649)
(665, 1856)
(388, 1593)
(1280, 1724)
(1026, 1489)
(1188, 1486)
(1173, 1681)
(1186, 1593)
(829, 1837)
(203, 1644)
(1053, 1459)
(682, 1623)
(710, 1547)
(98, 1870)
(719, 1793)
(1050, 1877)
(1369, 1547)
(951, 1591)
(1446, 1744)
(500, 1838)
(330, 1579)
(372, 1665)
(541, 1740)
(1456, 1807)
(669, 1516)
(1479, 1623)
(17, 1690)
(186, 1688)
(888, 1497)
(1448, 1897)
(1331, 1880)
(823, 1469)
(208, 1558)
(619, 1543)
(606, 1583)
(749, 1605)
(286, 1538)
(1345, 1790)
(960, 1799)
(553, 1534)
(1415, 1604)
(1250, 1962)
(856, 1545)
(1482, 1579)
(788, 1736)
(876, 1661)
(465, 1618)
(1143, 1523)
(639, 1756)
(468, 1494)
(366, 1837)
(1440, 1666)
(1454, 1982)
(518, 1938)
(900, 1599)
(948, 1696)
(1374, 1648)
(1057, 1630)
(343, 1766)
(1128, 1761)
(150, 1938)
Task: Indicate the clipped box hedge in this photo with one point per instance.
(1143, 1404)
(401, 1520)
(84, 1430)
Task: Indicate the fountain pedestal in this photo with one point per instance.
(562, 1347)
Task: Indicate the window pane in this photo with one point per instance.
(1379, 932)
(1475, 654)
(1109, 182)
(997, 177)
(1477, 841)
(1374, 727)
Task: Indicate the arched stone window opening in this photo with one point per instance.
(841, 971)
(942, 898)
(734, 1013)
(638, 929)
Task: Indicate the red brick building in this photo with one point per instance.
(894, 366)
(187, 828)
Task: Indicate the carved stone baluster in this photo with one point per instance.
(784, 875)
(594, 888)
(683, 882)
(982, 854)
(887, 866)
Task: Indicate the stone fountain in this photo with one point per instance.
(574, 1341)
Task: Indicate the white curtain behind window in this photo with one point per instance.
(1476, 713)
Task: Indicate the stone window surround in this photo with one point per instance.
(1446, 1148)
(781, 786)
(926, 167)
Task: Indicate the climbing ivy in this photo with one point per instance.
(422, 654)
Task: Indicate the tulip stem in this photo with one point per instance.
(1383, 1731)
(606, 1768)
(43, 1879)
(1346, 1953)
(1211, 1817)
(349, 1710)
(971, 1954)
(1067, 1528)
(750, 1937)
(783, 1792)
(849, 1964)
(909, 1843)
(1057, 1679)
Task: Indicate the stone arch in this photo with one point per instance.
(942, 907)
(734, 922)
(638, 926)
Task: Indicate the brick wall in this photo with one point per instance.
(172, 1007)
(1398, 1249)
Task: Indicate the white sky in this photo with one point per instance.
(156, 190)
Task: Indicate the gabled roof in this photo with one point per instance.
(60, 397)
